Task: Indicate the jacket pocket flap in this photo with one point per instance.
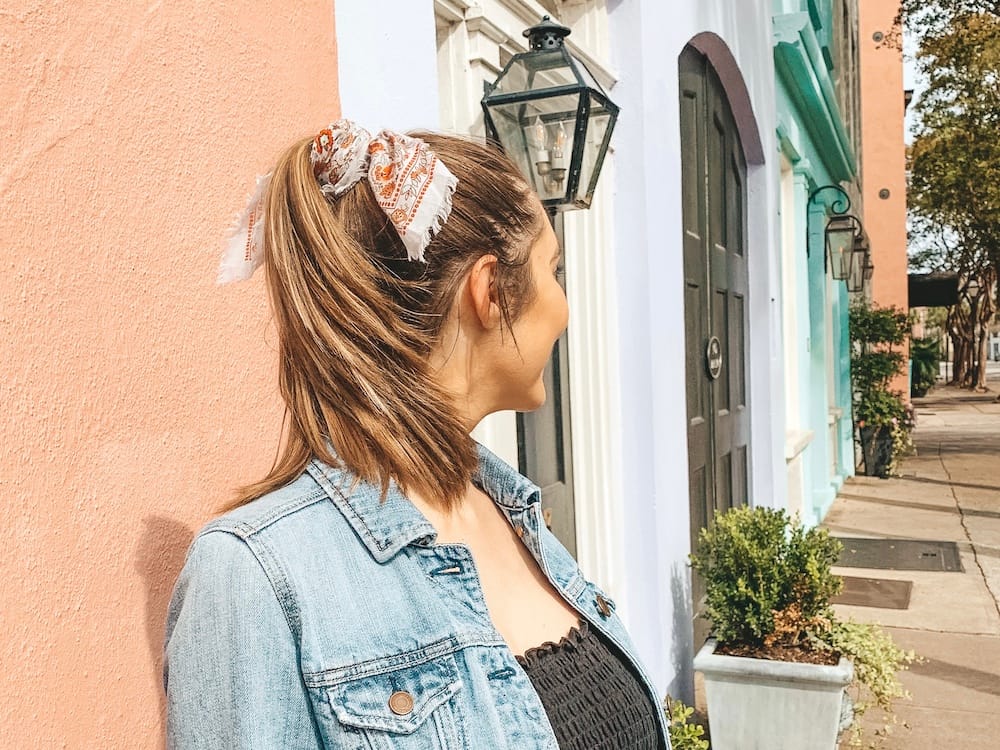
(398, 701)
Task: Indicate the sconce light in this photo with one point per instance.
(552, 118)
(845, 241)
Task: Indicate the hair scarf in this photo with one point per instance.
(412, 186)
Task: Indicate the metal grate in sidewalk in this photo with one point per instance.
(900, 554)
(875, 592)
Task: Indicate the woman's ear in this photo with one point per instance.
(481, 287)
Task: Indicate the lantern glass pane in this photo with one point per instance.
(855, 279)
(586, 77)
(840, 244)
(599, 124)
(538, 135)
(535, 71)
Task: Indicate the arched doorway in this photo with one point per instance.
(714, 177)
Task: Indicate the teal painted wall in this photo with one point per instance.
(811, 136)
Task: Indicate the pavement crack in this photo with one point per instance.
(968, 534)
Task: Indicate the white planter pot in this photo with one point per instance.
(757, 704)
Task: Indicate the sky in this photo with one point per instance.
(911, 80)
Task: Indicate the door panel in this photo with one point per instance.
(713, 172)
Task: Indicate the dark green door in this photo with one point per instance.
(544, 443)
(713, 173)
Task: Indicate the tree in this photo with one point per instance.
(954, 161)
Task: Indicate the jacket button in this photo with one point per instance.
(401, 702)
(603, 607)
(520, 532)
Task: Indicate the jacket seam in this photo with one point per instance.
(278, 578)
(245, 529)
(386, 664)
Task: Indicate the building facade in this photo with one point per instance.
(818, 135)
(883, 155)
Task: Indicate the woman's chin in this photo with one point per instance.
(534, 400)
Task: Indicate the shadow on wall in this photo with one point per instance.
(681, 634)
(159, 558)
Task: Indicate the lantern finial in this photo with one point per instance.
(546, 35)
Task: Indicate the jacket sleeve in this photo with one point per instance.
(231, 668)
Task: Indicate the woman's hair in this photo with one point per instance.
(357, 320)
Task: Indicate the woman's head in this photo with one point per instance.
(364, 330)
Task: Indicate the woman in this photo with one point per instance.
(390, 584)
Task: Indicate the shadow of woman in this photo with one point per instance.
(159, 558)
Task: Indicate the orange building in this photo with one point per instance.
(883, 155)
(136, 393)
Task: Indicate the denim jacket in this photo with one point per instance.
(298, 616)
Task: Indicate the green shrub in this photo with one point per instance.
(768, 581)
(925, 354)
(684, 735)
(765, 576)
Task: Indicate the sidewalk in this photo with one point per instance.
(949, 491)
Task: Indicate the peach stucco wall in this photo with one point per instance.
(136, 394)
(883, 156)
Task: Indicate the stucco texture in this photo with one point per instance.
(137, 395)
(883, 157)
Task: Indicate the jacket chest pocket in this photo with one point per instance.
(405, 709)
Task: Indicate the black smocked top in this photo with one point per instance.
(592, 697)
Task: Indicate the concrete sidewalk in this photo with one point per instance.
(949, 491)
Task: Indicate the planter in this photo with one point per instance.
(876, 447)
(758, 704)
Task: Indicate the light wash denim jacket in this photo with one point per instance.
(297, 617)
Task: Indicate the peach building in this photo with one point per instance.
(883, 156)
(137, 394)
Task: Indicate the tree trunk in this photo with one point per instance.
(960, 365)
(982, 349)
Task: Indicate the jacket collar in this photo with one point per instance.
(387, 527)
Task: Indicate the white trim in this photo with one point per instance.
(797, 441)
(595, 386)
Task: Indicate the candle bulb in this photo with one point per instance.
(542, 157)
(558, 154)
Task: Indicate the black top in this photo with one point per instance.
(593, 699)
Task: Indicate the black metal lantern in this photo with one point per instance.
(861, 265)
(845, 240)
(551, 117)
(842, 237)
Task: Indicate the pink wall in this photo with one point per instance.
(883, 156)
(136, 394)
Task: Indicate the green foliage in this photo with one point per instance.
(925, 354)
(873, 324)
(763, 573)
(879, 408)
(953, 164)
(876, 368)
(684, 734)
(877, 662)
(874, 331)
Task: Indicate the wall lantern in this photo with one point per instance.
(861, 268)
(845, 240)
(551, 117)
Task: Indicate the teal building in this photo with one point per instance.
(818, 127)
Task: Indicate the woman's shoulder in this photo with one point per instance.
(277, 506)
(291, 523)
